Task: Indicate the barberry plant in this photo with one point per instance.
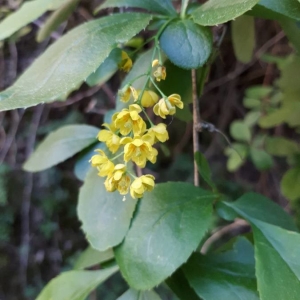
(155, 233)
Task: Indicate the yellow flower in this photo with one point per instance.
(141, 185)
(109, 137)
(103, 164)
(167, 106)
(149, 98)
(119, 180)
(129, 120)
(126, 92)
(126, 62)
(160, 73)
(139, 150)
(175, 100)
(164, 108)
(158, 133)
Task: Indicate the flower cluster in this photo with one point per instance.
(129, 136)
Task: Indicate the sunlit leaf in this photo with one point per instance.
(71, 59)
(75, 285)
(215, 12)
(105, 217)
(170, 222)
(60, 145)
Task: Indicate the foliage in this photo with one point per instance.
(157, 233)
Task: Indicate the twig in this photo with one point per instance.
(229, 229)
(16, 118)
(196, 121)
(26, 201)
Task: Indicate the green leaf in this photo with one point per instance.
(138, 295)
(261, 159)
(258, 91)
(240, 131)
(251, 118)
(274, 118)
(180, 286)
(292, 31)
(289, 8)
(255, 206)
(75, 285)
(106, 69)
(170, 223)
(227, 276)
(204, 169)
(91, 257)
(243, 38)
(277, 261)
(280, 146)
(186, 44)
(58, 17)
(290, 186)
(164, 7)
(70, 60)
(105, 217)
(236, 156)
(251, 103)
(215, 12)
(60, 145)
(28, 12)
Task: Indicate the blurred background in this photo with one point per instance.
(40, 234)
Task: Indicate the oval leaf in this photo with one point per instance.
(255, 206)
(276, 249)
(186, 44)
(243, 38)
(105, 217)
(261, 159)
(91, 257)
(227, 276)
(290, 186)
(289, 8)
(28, 12)
(60, 145)
(215, 12)
(75, 285)
(240, 131)
(164, 7)
(138, 295)
(70, 60)
(169, 225)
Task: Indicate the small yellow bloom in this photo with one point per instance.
(167, 106)
(160, 73)
(129, 120)
(149, 98)
(126, 62)
(175, 100)
(158, 133)
(155, 63)
(141, 185)
(119, 180)
(139, 150)
(103, 164)
(126, 92)
(109, 137)
(164, 108)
